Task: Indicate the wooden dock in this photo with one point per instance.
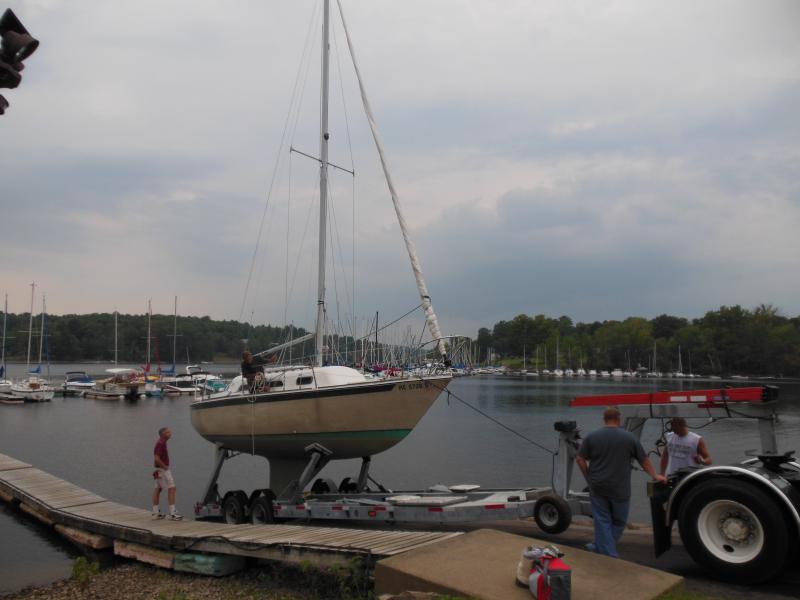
(93, 521)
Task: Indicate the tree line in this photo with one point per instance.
(91, 337)
(730, 340)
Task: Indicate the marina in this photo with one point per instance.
(359, 429)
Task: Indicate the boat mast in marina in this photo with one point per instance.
(30, 330)
(149, 337)
(5, 322)
(41, 333)
(116, 330)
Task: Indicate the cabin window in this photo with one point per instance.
(304, 380)
(276, 383)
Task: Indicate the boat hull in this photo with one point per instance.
(351, 421)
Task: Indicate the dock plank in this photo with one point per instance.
(8, 463)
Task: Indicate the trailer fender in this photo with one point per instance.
(778, 487)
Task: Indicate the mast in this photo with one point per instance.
(175, 335)
(149, 318)
(323, 186)
(30, 330)
(427, 306)
(116, 314)
(3, 357)
(41, 333)
(655, 357)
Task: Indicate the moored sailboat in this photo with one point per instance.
(34, 388)
(5, 384)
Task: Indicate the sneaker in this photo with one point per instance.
(157, 515)
(176, 517)
(590, 547)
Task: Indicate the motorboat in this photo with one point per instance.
(337, 409)
(77, 382)
(180, 385)
(121, 383)
(205, 381)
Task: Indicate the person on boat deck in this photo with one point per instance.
(684, 448)
(252, 366)
(604, 458)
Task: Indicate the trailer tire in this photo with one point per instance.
(261, 512)
(735, 530)
(552, 514)
(234, 507)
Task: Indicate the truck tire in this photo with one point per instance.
(552, 514)
(736, 530)
(234, 508)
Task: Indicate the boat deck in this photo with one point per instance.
(58, 502)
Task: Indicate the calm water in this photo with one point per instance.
(107, 446)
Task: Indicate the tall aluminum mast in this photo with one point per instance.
(323, 186)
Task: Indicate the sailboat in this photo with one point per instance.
(5, 384)
(173, 384)
(33, 388)
(335, 407)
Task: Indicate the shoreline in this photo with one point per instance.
(127, 579)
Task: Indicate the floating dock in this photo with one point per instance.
(93, 521)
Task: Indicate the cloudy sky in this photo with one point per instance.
(598, 159)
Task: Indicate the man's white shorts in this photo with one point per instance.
(164, 479)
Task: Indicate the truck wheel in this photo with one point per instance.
(233, 507)
(736, 530)
(261, 509)
(552, 514)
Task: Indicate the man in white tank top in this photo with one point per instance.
(683, 449)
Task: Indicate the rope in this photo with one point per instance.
(491, 418)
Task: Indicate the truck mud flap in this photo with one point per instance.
(662, 532)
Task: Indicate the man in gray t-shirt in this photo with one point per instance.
(604, 459)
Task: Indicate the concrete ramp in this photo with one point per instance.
(482, 564)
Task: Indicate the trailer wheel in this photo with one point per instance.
(234, 507)
(552, 514)
(261, 509)
(736, 530)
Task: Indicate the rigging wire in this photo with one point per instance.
(353, 169)
(277, 162)
(491, 418)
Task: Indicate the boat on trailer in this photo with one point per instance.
(301, 417)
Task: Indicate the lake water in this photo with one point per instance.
(106, 447)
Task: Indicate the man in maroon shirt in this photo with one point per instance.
(163, 476)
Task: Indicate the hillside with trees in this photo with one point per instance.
(729, 340)
(74, 338)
